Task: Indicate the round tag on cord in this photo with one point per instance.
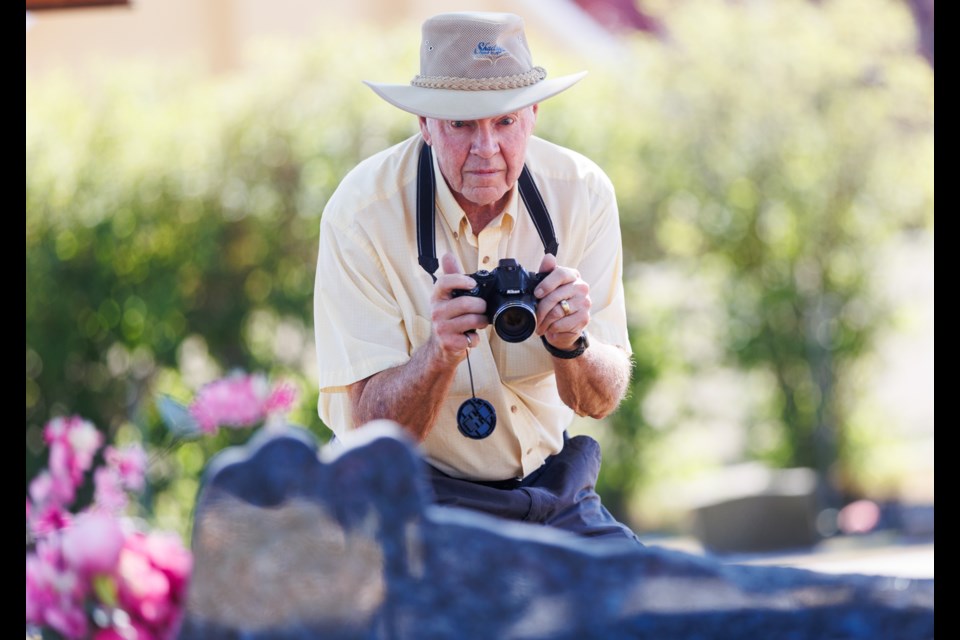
(476, 418)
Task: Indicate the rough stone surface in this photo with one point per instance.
(292, 541)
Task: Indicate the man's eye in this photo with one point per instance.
(507, 121)
(456, 124)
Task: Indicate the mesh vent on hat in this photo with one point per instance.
(459, 52)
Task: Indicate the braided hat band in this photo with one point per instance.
(533, 76)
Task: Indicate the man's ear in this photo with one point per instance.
(424, 131)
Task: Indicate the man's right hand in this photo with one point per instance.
(411, 394)
(452, 317)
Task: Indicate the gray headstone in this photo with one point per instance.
(759, 509)
(292, 541)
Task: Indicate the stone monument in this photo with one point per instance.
(294, 541)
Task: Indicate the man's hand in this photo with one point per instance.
(412, 393)
(453, 317)
(563, 309)
(594, 383)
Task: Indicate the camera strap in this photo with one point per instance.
(427, 211)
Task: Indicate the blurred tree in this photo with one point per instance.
(770, 152)
(172, 227)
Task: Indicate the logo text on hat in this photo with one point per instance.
(489, 51)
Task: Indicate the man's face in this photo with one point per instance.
(480, 159)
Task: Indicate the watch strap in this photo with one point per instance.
(579, 347)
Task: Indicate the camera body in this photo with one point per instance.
(508, 292)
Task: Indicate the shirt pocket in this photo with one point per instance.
(525, 361)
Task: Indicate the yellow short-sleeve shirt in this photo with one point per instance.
(372, 298)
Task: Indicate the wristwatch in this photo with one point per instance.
(579, 347)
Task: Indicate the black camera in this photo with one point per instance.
(508, 292)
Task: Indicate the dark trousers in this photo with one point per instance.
(560, 494)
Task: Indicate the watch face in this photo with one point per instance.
(476, 418)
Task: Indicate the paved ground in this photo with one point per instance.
(908, 561)
(877, 554)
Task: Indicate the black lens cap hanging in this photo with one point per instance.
(476, 418)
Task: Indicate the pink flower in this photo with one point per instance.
(130, 631)
(41, 487)
(153, 575)
(168, 554)
(144, 590)
(113, 634)
(92, 545)
(124, 472)
(238, 401)
(47, 488)
(235, 401)
(108, 493)
(78, 566)
(71, 621)
(42, 567)
(150, 572)
(48, 499)
(73, 443)
(85, 439)
(281, 399)
(130, 463)
(55, 593)
(48, 518)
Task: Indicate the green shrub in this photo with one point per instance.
(761, 154)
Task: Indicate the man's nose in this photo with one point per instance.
(485, 143)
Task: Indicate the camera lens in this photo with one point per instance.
(515, 321)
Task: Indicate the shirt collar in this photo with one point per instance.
(453, 214)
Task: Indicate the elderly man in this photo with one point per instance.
(529, 239)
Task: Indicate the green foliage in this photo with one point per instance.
(768, 150)
(761, 153)
(172, 229)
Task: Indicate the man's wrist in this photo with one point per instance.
(578, 347)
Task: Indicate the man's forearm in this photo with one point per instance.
(594, 383)
(410, 394)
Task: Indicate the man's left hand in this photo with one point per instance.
(563, 307)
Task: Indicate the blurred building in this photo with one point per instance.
(74, 34)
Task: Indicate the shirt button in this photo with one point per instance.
(529, 451)
(513, 409)
(486, 259)
(456, 235)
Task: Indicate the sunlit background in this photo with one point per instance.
(774, 167)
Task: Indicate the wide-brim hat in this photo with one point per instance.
(473, 65)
